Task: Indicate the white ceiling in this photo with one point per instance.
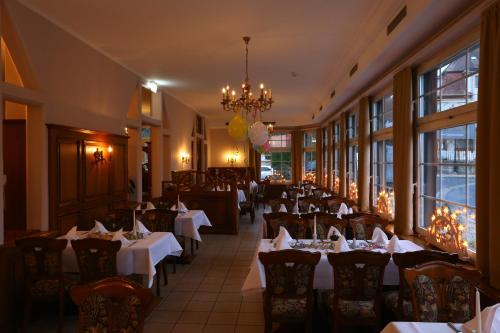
(194, 47)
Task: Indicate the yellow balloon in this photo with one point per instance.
(238, 128)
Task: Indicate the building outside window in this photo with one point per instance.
(447, 144)
(309, 150)
(278, 161)
(382, 156)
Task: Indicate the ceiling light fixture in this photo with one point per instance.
(230, 102)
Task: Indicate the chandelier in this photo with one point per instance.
(247, 102)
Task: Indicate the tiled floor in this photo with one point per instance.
(203, 296)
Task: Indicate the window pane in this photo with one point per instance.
(454, 69)
(387, 112)
(453, 95)
(453, 183)
(310, 139)
(429, 104)
(473, 59)
(472, 88)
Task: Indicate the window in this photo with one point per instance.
(278, 161)
(447, 145)
(382, 158)
(325, 157)
(352, 156)
(336, 157)
(309, 149)
(450, 84)
(448, 175)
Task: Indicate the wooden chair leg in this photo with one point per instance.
(164, 268)
(197, 245)
(174, 266)
(158, 281)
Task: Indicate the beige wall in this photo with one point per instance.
(221, 145)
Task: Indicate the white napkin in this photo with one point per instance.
(141, 228)
(343, 210)
(98, 227)
(182, 207)
(253, 186)
(283, 195)
(341, 245)
(339, 216)
(268, 209)
(313, 187)
(333, 231)
(311, 208)
(219, 188)
(282, 241)
(350, 211)
(300, 195)
(324, 195)
(149, 206)
(229, 187)
(379, 236)
(296, 207)
(71, 234)
(394, 245)
(282, 208)
(316, 210)
(490, 320)
(118, 235)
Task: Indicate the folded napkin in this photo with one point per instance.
(490, 320)
(283, 195)
(394, 245)
(118, 235)
(283, 240)
(313, 187)
(71, 234)
(141, 228)
(282, 208)
(229, 187)
(296, 207)
(268, 209)
(324, 195)
(253, 186)
(341, 245)
(220, 189)
(339, 216)
(316, 210)
(300, 195)
(311, 208)
(99, 227)
(350, 211)
(333, 231)
(379, 236)
(182, 207)
(343, 210)
(149, 206)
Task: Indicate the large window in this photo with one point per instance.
(336, 157)
(447, 142)
(325, 157)
(278, 161)
(309, 168)
(448, 175)
(450, 84)
(382, 158)
(352, 156)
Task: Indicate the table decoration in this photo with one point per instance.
(478, 311)
(315, 235)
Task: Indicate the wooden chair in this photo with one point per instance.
(305, 202)
(357, 288)
(118, 219)
(289, 297)
(276, 204)
(323, 223)
(268, 217)
(112, 305)
(363, 226)
(442, 292)
(291, 222)
(248, 206)
(43, 276)
(318, 193)
(261, 195)
(96, 258)
(334, 202)
(399, 301)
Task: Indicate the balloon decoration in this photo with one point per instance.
(238, 128)
(258, 133)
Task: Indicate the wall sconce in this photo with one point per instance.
(232, 158)
(110, 153)
(184, 159)
(99, 156)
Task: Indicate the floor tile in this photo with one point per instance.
(223, 318)
(219, 329)
(223, 306)
(251, 318)
(194, 317)
(188, 328)
(199, 306)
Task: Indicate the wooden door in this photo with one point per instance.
(14, 152)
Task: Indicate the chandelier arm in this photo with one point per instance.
(246, 59)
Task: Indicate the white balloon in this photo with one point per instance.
(258, 133)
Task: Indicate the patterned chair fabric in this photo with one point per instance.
(276, 204)
(289, 285)
(292, 223)
(364, 225)
(323, 223)
(305, 202)
(358, 278)
(111, 305)
(96, 258)
(442, 292)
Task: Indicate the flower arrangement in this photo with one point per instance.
(385, 204)
(353, 191)
(446, 230)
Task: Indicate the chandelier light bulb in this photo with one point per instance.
(223, 90)
(262, 86)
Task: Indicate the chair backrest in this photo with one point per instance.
(358, 275)
(96, 258)
(291, 222)
(323, 223)
(118, 219)
(42, 257)
(412, 259)
(334, 203)
(289, 274)
(305, 202)
(276, 204)
(318, 193)
(158, 220)
(442, 292)
(363, 226)
(112, 305)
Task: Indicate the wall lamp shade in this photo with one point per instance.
(185, 159)
(151, 85)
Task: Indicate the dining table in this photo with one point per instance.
(187, 224)
(137, 257)
(421, 327)
(323, 277)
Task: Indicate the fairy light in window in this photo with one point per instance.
(447, 228)
(385, 204)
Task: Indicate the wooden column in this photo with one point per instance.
(364, 154)
(342, 155)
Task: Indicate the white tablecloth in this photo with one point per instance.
(323, 276)
(187, 224)
(409, 327)
(241, 196)
(139, 257)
